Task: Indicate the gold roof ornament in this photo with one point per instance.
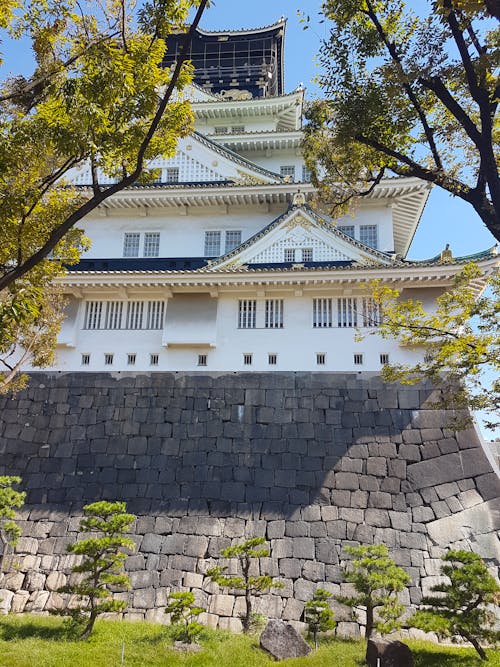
(446, 255)
(299, 199)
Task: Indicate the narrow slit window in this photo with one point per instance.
(202, 360)
(85, 359)
(347, 315)
(358, 359)
(153, 359)
(274, 314)
(131, 359)
(152, 244)
(322, 313)
(247, 312)
(131, 244)
(272, 359)
(247, 359)
(320, 358)
(108, 359)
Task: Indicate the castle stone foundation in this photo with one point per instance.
(311, 461)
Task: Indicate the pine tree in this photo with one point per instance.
(183, 611)
(10, 500)
(318, 614)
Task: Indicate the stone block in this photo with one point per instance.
(221, 604)
(303, 547)
(143, 598)
(347, 480)
(196, 545)
(152, 543)
(376, 466)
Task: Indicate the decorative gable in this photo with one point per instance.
(190, 169)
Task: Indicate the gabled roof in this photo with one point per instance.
(300, 227)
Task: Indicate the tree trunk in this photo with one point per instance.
(369, 622)
(248, 613)
(471, 639)
(90, 625)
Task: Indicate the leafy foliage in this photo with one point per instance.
(414, 95)
(98, 98)
(183, 611)
(252, 585)
(10, 500)
(377, 581)
(465, 604)
(461, 340)
(318, 614)
(101, 564)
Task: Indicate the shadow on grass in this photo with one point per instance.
(425, 658)
(29, 630)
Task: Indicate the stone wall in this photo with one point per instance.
(311, 461)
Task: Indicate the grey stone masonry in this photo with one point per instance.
(310, 461)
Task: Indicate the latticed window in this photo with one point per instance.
(131, 244)
(135, 311)
(371, 313)
(322, 313)
(93, 314)
(156, 314)
(346, 312)
(247, 311)
(212, 243)
(368, 235)
(306, 174)
(348, 230)
(288, 170)
(114, 315)
(237, 129)
(233, 239)
(307, 254)
(172, 175)
(221, 130)
(274, 314)
(289, 255)
(151, 244)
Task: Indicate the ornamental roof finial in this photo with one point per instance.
(446, 254)
(299, 199)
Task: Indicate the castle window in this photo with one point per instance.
(368, 235)
(134, 314)
(131, 244)
(156, 314)
(151, 244)
(247, 311)
(153, 359)
(289, 255)
(348, 230)
(233, 239)
(358, 359)
(307, 254)
(172, 175)
(384, 359)
(202, 360)
(237, 129)
(114, 315)
(322, 313)
(93, 314)
(346, 312)
(247, 359)
(371, 313)
(288, 170)
(306, 174)
(212, 244)
(320, 358)
(272, 359)
(85, 359)
(221, 130)
(108, 359)
(131, 358)
(274, 314)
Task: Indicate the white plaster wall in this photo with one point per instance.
(250, 124)
(296, 344)
(372, 215)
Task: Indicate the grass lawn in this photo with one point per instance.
(28, 641)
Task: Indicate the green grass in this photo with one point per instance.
(26, 641)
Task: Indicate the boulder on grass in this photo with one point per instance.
(282, 641)
(391, 654)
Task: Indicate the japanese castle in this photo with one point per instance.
(222, 264)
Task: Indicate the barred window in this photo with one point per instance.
(156, 314)
(384, 359)
(307, 254)
(131, 244)
(247, 359)
(114, 315)
(272, 359)
(289, 255)
(346, 312)
(247, 311)
(134, 314)
(306, 174)
(233, 239)
(172, 175)
(153, 359)
(348, 230)
(202, 360)
(371, 313)
(108, 359)
(274, 314)
(212, 244)
(358, 359)
(288, 170)
(93, 314)
(131, 358)
(221, 130)
(85, 359)
(237, 129)
(151, 244)
(322, 313)
(320, 358)
(368, 235)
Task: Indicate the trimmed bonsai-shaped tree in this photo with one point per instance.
(183, 612)
(377, 581)
(10, 500)
(464, 604)
(318, 614)
(251, 585)
(101, 564)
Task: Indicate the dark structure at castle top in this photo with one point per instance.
(236, 60)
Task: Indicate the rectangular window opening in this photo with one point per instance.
(212, 243)
(288, 170)
(320, 358)
(247, 359)
(307, 254)
(131, 358)
(306, 175)
(272, 359)
(371, 313)
(384, 359)
(155, 315)
(247, 312)
(114, 315)
(202, 360)
(368, 235)
(358, 359)
(151, 244)
(134, 314)
(172, 175)
(289, 255)
(348, 230)
(322, 313)
(93, 314)
(85, 359)
(108, 359)
(274, 314)
(153, 359)
(131, 244)
(233, 239)
(347, 315)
